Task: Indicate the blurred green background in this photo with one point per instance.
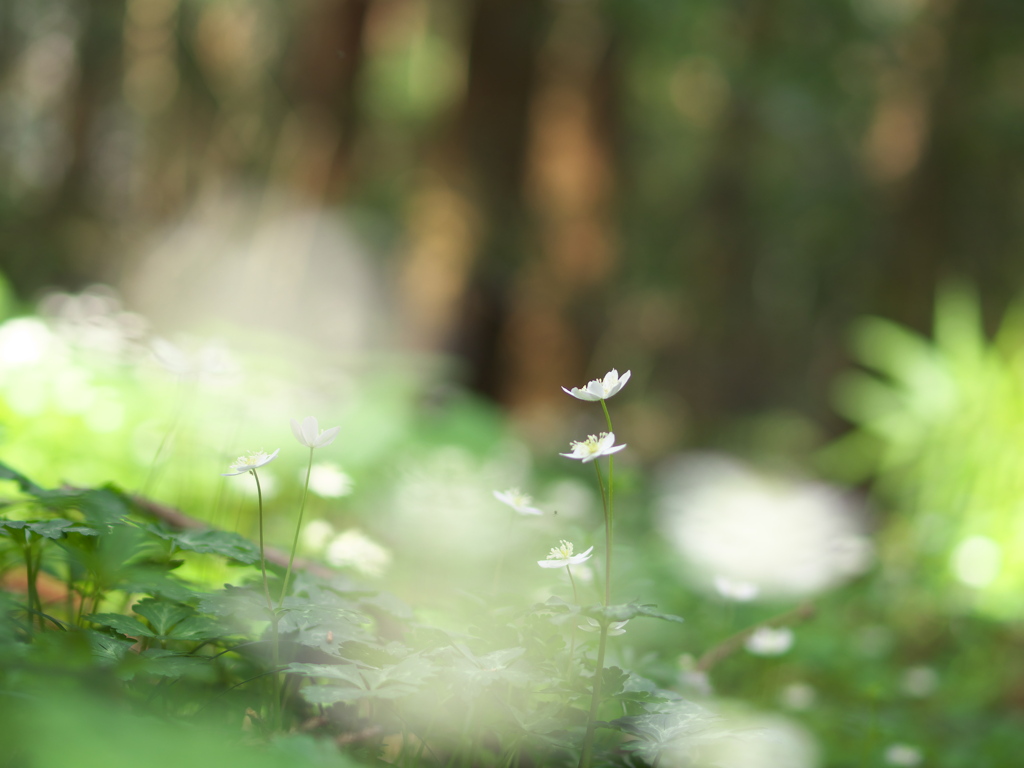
(798, 223)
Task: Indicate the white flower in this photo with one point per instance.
(734, 589)
(518, 500)
(594, 447)
(798, 696)
(308, 433)
(254, 460)
(562, 556)
(354, 549)
(328, 481)
(790, 538)
(769, 641)
(903, 754)
(919, 681)
(316, 534)
(592, 625)
(600, 389)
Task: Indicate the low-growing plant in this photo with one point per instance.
(102, 590)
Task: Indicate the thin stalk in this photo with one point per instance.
(275, 710)
(298, 528)
(605, 499)
(572, 645)
(587, 755)
(34, 604)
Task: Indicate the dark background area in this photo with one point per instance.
(708, 193)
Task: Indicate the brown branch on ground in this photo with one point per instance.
(732, 644)
(179, 520)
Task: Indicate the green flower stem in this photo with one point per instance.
(275, 705)
(298, 528)
(263, 557)
(606, 499)
(575, 596)
(34, 604)
(587, 755)
(572, 635)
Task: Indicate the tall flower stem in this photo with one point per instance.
(572, 641)
(275, 705)
(298, 529)
(605, 499)
(587, 755)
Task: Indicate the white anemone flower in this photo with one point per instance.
(600, 389)
(562, 555)
(594, 447)
(735, 589)
(518, 500)
(769, 641)
(327, 480)
(903, 755)
(593, 625)
(308, 433)
(254, 460)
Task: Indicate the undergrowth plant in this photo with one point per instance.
(101, 587)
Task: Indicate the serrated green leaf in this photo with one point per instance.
(627, 611)
(162, 663)
(225, 543)
(612, 680)
(350, 673)
(161, 614)
(196, 628)
(101, 506)
(126, 625)
(236, 605)
(153, 580)
(108, 648)
(55, 529)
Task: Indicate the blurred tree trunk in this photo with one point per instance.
(469, 225)
(912, 156)
(558, 305)
(68, 232)
(729, 362)
(324, 95)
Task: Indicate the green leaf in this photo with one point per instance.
(325, 695)
(164, 663)
(126, 625)
(238, 606)
(26, 485)
(196, 628)
(108, 648)
(13, 529)
(161, 614)
(225, 543)
(612, 680)
(55, 529)
(101, 506)
(628, 611)
(350, 673)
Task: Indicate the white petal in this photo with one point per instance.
(327, 437)
(551, 563)
(310, 430)
(297, 431)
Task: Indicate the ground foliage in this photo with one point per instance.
(104, 609)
